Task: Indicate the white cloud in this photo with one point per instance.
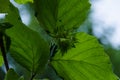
(107, 12)
(25, 16)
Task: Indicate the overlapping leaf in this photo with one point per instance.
(12, 14)
(87, 61)
(4, 6)
(12, 75)
(23, 1)
(57, 14)
(27, 46)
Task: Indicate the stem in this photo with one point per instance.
(33, 75)
(53, 50)
(4, 52)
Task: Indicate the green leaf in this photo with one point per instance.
(4, 26)
(11, 75)
(1, 59)
(10, 12)
(23, 1)
(54, 15)
(7, 42)
(41, 79)
(50, 74)
(87, 61)
(4, 6)
(21, 78)
(28, 48)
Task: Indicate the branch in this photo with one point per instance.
(3, 52)
(32, 76)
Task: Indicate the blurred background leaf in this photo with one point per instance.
(23, 1)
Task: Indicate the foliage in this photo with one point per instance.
(73, 55)
(89, 65)
(12, 75)
(1, 59)
(23, 1)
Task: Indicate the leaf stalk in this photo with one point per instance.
(3, 52)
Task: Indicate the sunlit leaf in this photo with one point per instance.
(87, 61)
(1, 59)
(27, 46)
(61, 14)
(23, 1)
(60, 18)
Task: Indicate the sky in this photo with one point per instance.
(23, 12)
(2, 16)
(106, 17)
